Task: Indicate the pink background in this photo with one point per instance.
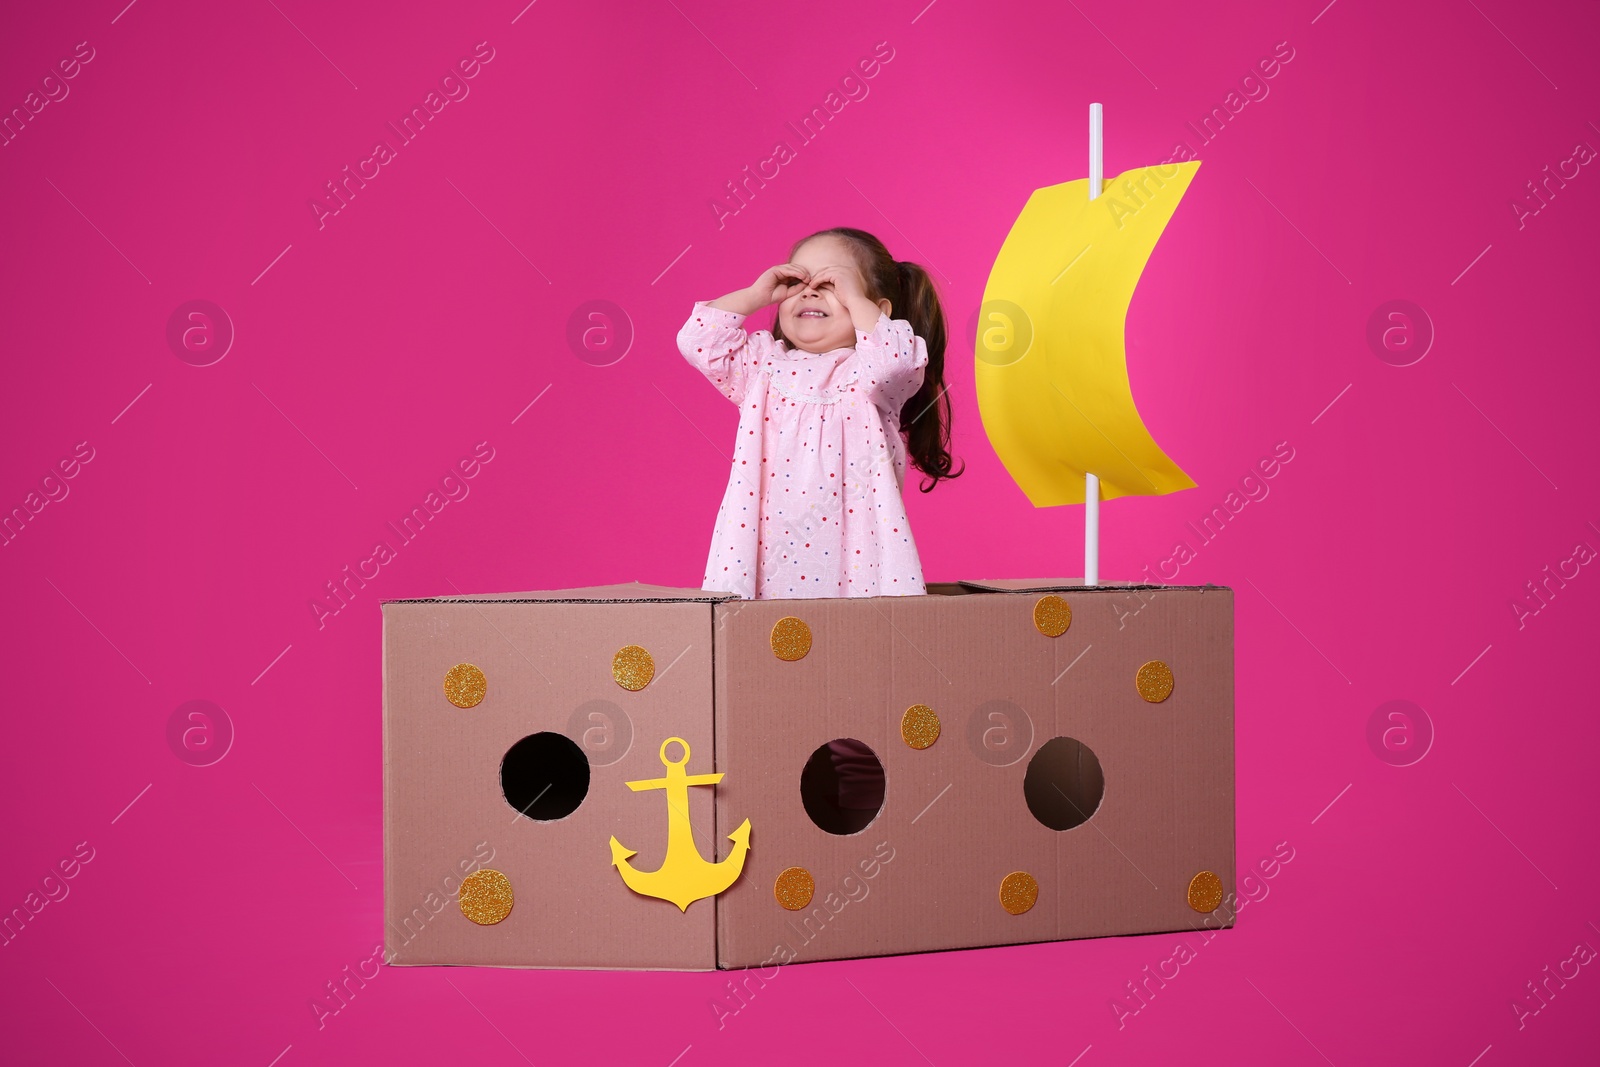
(375, 352)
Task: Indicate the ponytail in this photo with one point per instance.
(926, 416)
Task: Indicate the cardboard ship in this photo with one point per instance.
(990, 764)
(634, 776)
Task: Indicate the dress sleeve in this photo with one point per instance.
(892, 361)
(715, 342)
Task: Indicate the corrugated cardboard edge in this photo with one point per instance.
(388, 815)
(721, 846)
(1075, 585)
(620, 593)
(645, 593)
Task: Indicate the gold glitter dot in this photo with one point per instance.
(1154, 681)
(1052, 616)
(465, 685)
(1205, 892)
(632, 667)
(791, 638)
(794, 888)
(485, 896)
(1018, 892)
(919, 726)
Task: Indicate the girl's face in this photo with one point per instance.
(816, 320)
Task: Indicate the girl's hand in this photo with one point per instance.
(779, 283)
(775, 284)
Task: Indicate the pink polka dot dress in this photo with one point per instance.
(813, 506)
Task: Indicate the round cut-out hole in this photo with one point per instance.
(842, 786)
(1064, 783)
(545, 776)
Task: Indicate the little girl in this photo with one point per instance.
(854, 361)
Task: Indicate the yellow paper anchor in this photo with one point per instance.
(685, 876)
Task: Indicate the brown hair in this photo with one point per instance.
(925, 419)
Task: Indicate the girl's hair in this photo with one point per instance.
(925, 419)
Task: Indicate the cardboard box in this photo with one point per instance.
(1124, 716)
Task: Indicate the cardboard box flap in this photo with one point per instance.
(1050, 585)
(621, 593)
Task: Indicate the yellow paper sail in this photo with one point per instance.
(1052, 370)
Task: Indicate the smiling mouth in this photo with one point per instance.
(811, 313)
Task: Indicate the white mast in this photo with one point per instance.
(1091, 482)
